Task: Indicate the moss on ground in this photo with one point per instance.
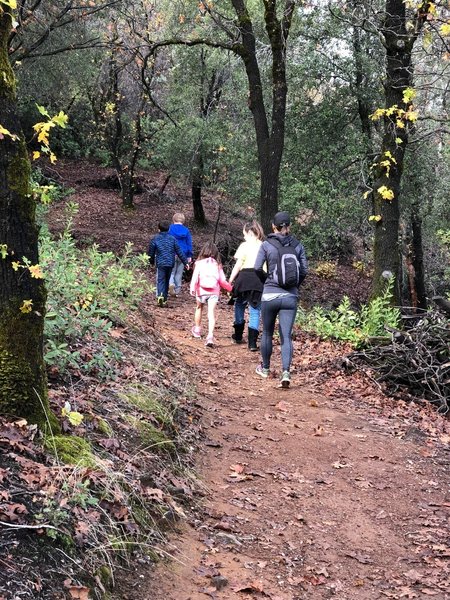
(71, 450)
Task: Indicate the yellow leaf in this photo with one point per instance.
(11, 3)
(409, 94)
(43, 111)
(391, 110)
(398, 140)
(399, 123)
(385, 193)
(377, 114)
(15, 265)
(60, 119)
(27, 306)
(445, 29)
(36, 272)
(412, 115)
(4, 132)
(53, 158)
(366, 194)
(36, 154)
(75, 418)
(375, 218)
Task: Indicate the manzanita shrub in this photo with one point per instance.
(88, 293)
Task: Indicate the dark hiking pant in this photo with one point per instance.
(285, 308)
(162, 281)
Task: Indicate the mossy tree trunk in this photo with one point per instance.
(23, 390)
(399, 45)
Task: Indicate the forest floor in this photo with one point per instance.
(328, 489)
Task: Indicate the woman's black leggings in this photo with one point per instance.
(285, 307)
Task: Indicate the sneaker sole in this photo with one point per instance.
(285, 384)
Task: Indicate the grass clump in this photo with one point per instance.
(143, 398)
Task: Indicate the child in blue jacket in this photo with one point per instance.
(162, 251)
(183, 236)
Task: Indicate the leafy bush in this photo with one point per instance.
(347, 325)
(88, 292)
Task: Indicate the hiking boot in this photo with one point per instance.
(285, 379)
(196, 332)
(209, 341)
(252, 339)
(160, 301)
(238, 331)
(262, 372)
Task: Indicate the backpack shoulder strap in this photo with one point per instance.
(274, 242)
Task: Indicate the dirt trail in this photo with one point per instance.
(305, 497)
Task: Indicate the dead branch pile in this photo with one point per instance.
(417, 360)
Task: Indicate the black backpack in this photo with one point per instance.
(287, 271)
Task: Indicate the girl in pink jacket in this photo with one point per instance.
(207, 279)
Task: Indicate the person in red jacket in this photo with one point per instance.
(207, 279)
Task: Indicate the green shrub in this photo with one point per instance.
(88, 292)
(347, 325)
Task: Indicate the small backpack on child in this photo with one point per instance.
(287, 271)
(209, 275)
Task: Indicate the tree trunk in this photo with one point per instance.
(126, 181)
(417, 259)
(270, 141)
(364, 109)
(23, 389)
(197, 184)
(399, 77)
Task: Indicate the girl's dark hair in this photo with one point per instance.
(209, 250)
(255, 228)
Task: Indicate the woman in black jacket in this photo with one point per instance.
(247, 286)
(286, 269)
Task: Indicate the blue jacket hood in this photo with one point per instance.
(183, 236)
(179, 230)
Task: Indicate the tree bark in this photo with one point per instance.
(399, 76)
(23, 389)
(417, 259)
(269, 139)
(197, 184)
